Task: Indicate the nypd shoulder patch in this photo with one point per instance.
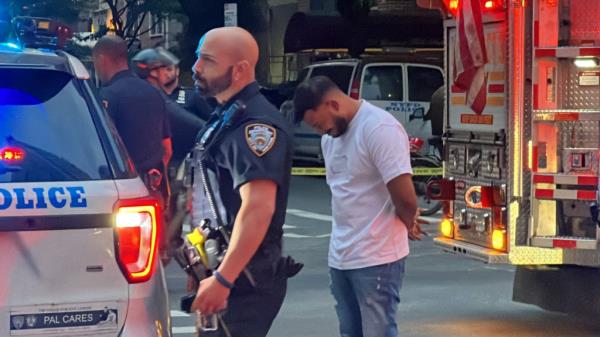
(260, 138)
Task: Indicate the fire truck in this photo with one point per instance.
(520, 180)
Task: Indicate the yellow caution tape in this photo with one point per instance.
(308, 171)
(320, 171)
(428, 171)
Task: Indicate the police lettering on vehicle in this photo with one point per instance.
(403, 107)
(43, 198)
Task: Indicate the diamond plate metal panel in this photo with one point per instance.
(571, 94)
(579, 134)
(584, 25)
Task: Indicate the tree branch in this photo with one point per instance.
(136, 33)
(151, 28)
(116, 19)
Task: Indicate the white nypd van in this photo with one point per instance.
(78, 230)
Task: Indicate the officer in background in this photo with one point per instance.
(244, 158)
(192, 101)
(138, 112)
(159, 67)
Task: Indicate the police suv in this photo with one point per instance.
(78, 230)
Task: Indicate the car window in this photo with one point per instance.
(49, 126)
(341, 75)
(423, 82)
(302, 75)
(382, 83)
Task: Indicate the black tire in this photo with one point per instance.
(427, 206)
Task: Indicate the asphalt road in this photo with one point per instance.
(442, 295)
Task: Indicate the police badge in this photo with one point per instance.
(260, 138)
(17, 322)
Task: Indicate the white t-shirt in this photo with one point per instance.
(374, 149)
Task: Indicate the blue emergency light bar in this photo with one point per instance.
(8, 37)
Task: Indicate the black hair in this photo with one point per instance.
(309, 94)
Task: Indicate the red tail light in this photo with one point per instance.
(355, 89)
(136, 233)
(11, 155)
(493, 5)
(487, 5)
(452, 6)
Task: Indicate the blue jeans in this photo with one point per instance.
(367, 299)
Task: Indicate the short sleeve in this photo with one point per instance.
(258, 151)
(389, 150)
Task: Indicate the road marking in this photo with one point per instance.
(178, 313)
(309, 215)
(289, 226)
(323, 236)
(177, 330)
(296, 236)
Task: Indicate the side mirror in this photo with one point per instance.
(418, 113)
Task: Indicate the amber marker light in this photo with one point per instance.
(499, 239)
(447, 228)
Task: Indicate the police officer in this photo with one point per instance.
(159, 67)
(244, 158)
(192, 101)
(138, 112)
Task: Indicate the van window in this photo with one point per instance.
(382, 83)
(423, 82)
(341, 75)
(302, 75)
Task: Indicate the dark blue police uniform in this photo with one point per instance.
(138, 111)
(184, 128)
(239, 145)
(192, 101)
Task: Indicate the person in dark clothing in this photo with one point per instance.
(192, 101)
(244, 161)
(159, 67)
(139, 113)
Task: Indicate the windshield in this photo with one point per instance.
(51, 125)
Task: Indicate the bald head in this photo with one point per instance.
(113, 47)
(227, 59)
(110, 57)
(234, 42)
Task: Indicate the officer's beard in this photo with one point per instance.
(170, 86)
(215, 86)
